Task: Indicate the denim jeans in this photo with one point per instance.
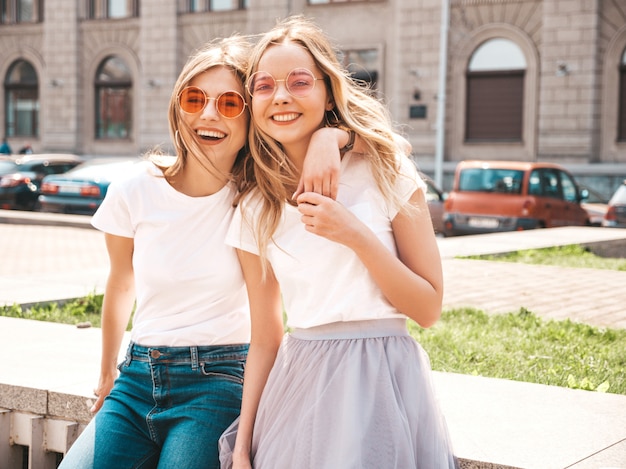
(167, 409)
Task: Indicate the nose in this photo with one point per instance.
(210, 110)
(281, 94)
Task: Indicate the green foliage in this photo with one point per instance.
(523, 347)
(81, 310)
(562, 256)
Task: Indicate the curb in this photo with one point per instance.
(17, 217)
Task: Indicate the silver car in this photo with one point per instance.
(615, 216)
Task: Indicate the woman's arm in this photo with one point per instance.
(411, 282)
(117, 305)
(267, 333)
(320, 172)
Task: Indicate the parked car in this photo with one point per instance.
(20, 177)
(615, 216)
(493, 196)
(595, 205)
(82, 189)
(435, 198)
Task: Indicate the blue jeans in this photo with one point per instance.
(167, 409)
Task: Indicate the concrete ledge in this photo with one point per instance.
(499, 243)
(18, 217)
(611, 248)
(22, 398)
(532, 426)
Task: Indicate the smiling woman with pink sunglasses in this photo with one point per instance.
(348, 387)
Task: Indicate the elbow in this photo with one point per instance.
(427, 312)
(427, 319)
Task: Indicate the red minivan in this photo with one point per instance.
(494, 196)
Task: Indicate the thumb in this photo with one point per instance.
(299, 189)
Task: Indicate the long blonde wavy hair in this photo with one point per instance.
(231, 52)
(270, 171)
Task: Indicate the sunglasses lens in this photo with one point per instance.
(230, 104)
(300, 82)
(192, 100)
(261, 85)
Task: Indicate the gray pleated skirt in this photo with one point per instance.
(350, 395)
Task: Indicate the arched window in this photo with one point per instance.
(621, 129)
(113, 85)
(21, 100)
(495, 92)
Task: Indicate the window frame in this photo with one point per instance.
(474, 108)
(101, 9)
(621, 116)
(203, 6)
(104, 92)
(13, 91)
(10, 12)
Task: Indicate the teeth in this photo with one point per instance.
(210, 133)
(285, 117)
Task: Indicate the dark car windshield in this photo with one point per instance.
(507, 181)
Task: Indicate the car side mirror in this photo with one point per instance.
(584, 194)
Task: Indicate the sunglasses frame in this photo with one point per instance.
(207, 99)
(249, 82)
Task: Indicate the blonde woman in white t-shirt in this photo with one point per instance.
(348, 387)
(165, 224)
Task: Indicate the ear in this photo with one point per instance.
(330, 105)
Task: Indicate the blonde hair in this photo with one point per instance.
(272, 173)
(231, 52)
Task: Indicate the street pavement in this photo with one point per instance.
(51, 257)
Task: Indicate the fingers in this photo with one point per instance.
(309, 197)
(97, 405)
(328, 187)
(300, 189)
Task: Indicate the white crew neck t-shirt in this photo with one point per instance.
(189, 285)
(322, 281)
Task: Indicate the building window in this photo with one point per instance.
(112, 9)
(363, 65)
(194, 6)
(113, 86)
(495, 92)
(21, 11)
(621, 129)
(21, 88)
(324, 2)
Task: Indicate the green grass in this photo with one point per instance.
(562, 256)
(523, 347)
(518, 346)
(82, 310)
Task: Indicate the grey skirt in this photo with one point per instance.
(348, 395)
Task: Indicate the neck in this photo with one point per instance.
(196, 181)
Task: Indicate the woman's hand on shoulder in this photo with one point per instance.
(320, 172)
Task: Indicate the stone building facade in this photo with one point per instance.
(568, 64)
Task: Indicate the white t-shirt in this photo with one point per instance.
(323, 281)
(189, 285)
